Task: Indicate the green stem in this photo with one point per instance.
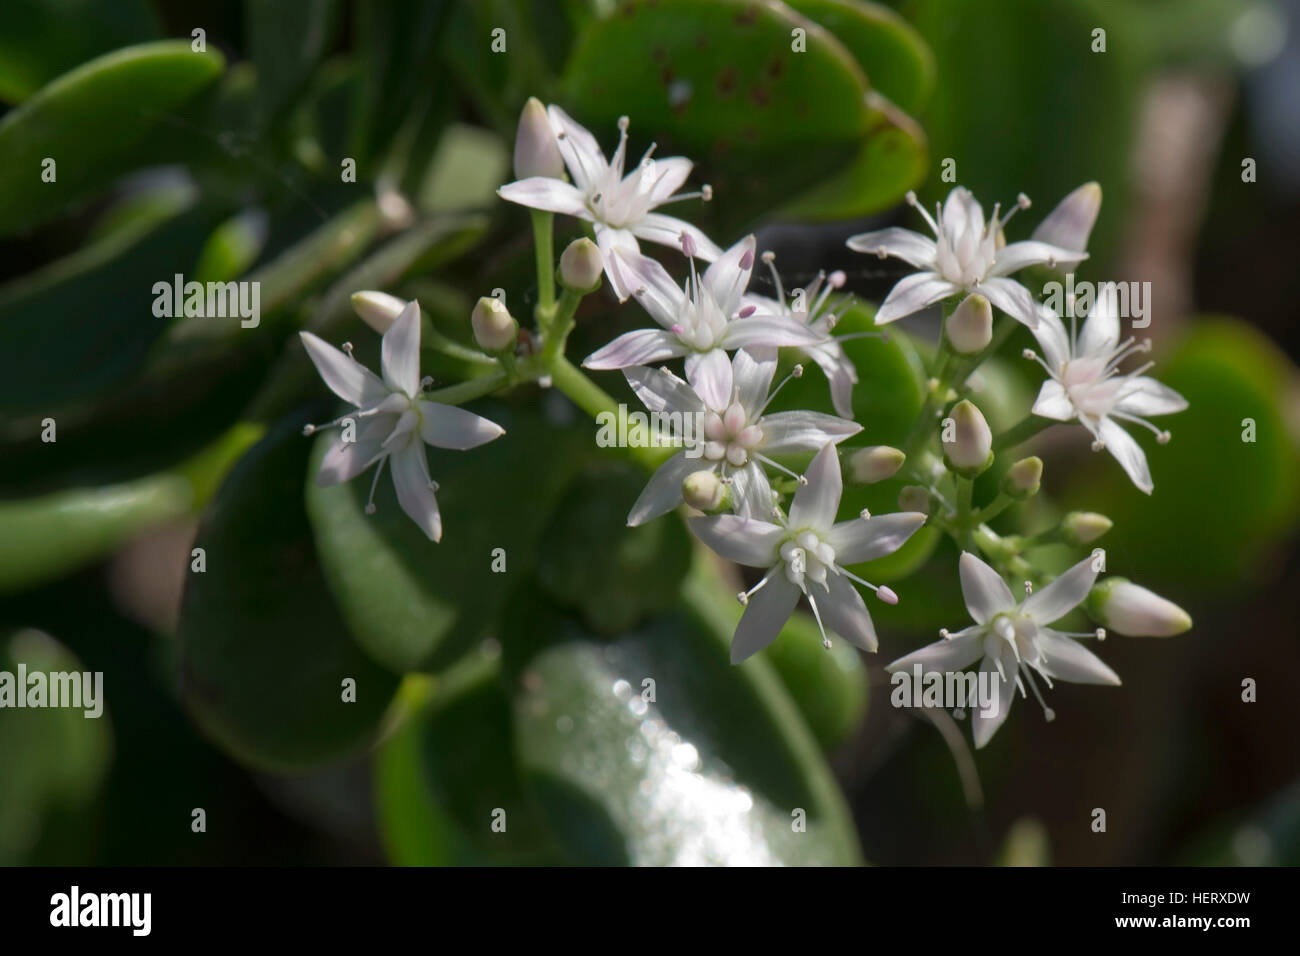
(1024, 430)
(435, 340)
(559, 324)
(468, 390)
(543, 245)
(994, 508)
(595, 401)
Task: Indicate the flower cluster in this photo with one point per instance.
(737, 471)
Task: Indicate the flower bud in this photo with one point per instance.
(1070, 223)
(581, 266)
(970, 328)
(495, 329)
(1130, 609)
(379, 310)
(705, 491)
(1022, 478)
(1084, 527)
(970, 450)
(875, 463)
(914, 498)
(536, 152)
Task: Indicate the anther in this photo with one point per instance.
(706, 192)
(1163, 437)
(865, 514)
(1098, 445)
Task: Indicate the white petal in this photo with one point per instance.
(346, 377)
(579, 148)
(751, 491)
(670, 173)
(667, 231)
(983, 589)
(445, 426)
(1127, 452)
(1071, 222)
(1100, 332)
(619, 250)
(983, 728)
(1052, 338)
(401, 352)
(804, 431)
(744, 540)
(636, 348)
(912, 294)
(946, 655)
(654, 288)
(710, 375)
(1143, 396)
(1057, 599)
(663, 492)
(962, 211)
(843, 611)
(1012, 298)
(768, 331)
(1067, 659)
(346, 459)
(816, 501)
(727, 278)
(768, 610)
(864, 539)
(542, 192)
(911, 247)
(751, 376)
(414, 492)
(1053, 402)
(839, 372)
(662, 391)
(1020, 255)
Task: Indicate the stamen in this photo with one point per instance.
(370, 502)
(796, 372)
(779, 467)
(1032, 355)
(826, 641)
(1048, 714)
(747, 311)
(744, 596)
(912, 201)
(864, 514)
(769, 257)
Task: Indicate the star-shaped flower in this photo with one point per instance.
(1086, 385)
(699, 321)
(737, 438)
(814, 308)
(806, 554)
(1013, 640)
(393, 422)
(964, 256)
(621, 208)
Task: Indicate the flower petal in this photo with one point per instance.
(542, 192)
(346, 459)
(663, 492)
(669, 174)
(1020, 255)
(1143, 395)
(728, 276)
(346, 377)
(1064, 658)
(579, 148)
(654, 288)
(620, 252)
(912, 247)
(640, 347)
(445, 426)
(1100, 332)
(749, 541)
(662, 391)
(768, 331)
(984, 727)
(1053, 402)
(804, 431)
(1067, 592)
(912, 294)
(414, 490)
(983, 589)
(667, 231)
(1013, 299)
(839, 372)
(768, 609)
(962, 212)
(710, 375)
(751, 491)
(751, 376)
(401, 352)
(1052, 338)
(946, 655)
(817, 500)
(844, 612)
(1127, 452)
(863, 539)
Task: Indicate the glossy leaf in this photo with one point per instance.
(286, 41)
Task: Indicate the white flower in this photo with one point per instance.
(1070, 224)
(806, 555)
(699, 322)
(1087, 385)
(737, 439)
(619, 207)
(812, 307)
(1135, 611)
(1013, 640)
(393, 422)
(967, 257)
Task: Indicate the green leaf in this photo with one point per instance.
(469, 165)
(717, 769)
(591, 560)
(90, 122)
(265, 650)
(232, 247)
(39, 39)
(53, 757)
(286, 41)
(407, 599)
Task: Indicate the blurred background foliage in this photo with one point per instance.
(525, 691)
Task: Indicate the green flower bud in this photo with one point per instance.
(1130, 609)
(536, 152)
(1084, 527)
(379, 310)
(875, 463)
(968, 442)
(581, 266)
(495, 329)
(705, 491)
(1022, 478)
(914, 498)
(970, 328)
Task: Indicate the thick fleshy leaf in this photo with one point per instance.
(266, 657)
(90, 122)
(286, 42)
